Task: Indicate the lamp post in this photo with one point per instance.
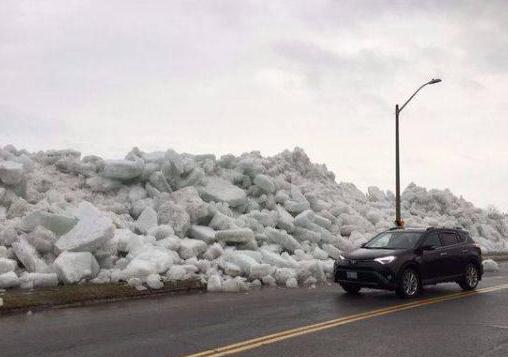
(398, 221)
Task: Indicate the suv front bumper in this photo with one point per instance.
(368, 274)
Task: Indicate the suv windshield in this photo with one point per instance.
(394, 240)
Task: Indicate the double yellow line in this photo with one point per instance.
(283, 335)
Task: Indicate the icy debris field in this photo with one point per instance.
(234, 222)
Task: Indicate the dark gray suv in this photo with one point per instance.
(404, 260)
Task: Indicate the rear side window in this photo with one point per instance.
(433, 240)
(466, 237)
(448, 238)
(461, 237)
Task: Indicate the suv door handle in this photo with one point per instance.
(464, 250)
(444, 253)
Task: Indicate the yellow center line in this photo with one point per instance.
(283, 335)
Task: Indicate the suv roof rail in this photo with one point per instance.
(456, 228)
(395, 228)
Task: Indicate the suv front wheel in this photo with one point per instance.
(471, 277)
(409, 284)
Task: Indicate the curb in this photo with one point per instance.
(19, 300)
(496, 256)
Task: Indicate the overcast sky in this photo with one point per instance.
(236, 76)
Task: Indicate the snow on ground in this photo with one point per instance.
(490, 265)
(235, 222)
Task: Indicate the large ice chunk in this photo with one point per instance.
(311, 268)
(9, 280)
(158, 180)
(219, 190)
(214, 251)
(194, 178)
(171, 243)
(162, 231)
(73, 267)
(292, 283)
(189, 199)
(102, 184)
(235, 285)
(243, 261)
(204, 233)
(320, 254)
(42, 239)
(265, 183)
(235, 236)
(277, 260)
(284, 219)
(8, 234)
(176, 216)
(258, 271)
(154, 281)
(214, 283)
(490, 265)
(7, 265)
(221, 222)
(127, 240)
(281, 237)
(4, 252)
(284, 274)
(177, 272)
(375, 194)
(148, 260)
(303, 234)
(265, 218)
(38, 280)
(123, 170)
(306, 220)
(191, 248)
(11, 173)
(29, 257)
(332, 251)
(298, 203)
(138, 269)
(57, 223)
(147, 220)
(93, 229)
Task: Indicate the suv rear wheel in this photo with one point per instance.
(470, 280)
(409, 284)
(351, 288)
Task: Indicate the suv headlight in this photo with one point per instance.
(386, 260)
(340, 260)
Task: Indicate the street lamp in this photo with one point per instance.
(398, 221)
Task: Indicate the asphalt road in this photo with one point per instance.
(434, 325)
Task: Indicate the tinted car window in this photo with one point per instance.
(448, 238)
(432, 240)
(394, 240)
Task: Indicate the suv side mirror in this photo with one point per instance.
(363, 245)
(427, 247)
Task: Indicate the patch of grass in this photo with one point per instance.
(75, 295)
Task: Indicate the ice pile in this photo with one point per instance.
(490, 265)
(235, 222)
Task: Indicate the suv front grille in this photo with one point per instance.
(364, 276)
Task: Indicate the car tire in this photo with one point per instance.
(471, 277)
(351, 288)
(409, 285)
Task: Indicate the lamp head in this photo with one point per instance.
(434, 80)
